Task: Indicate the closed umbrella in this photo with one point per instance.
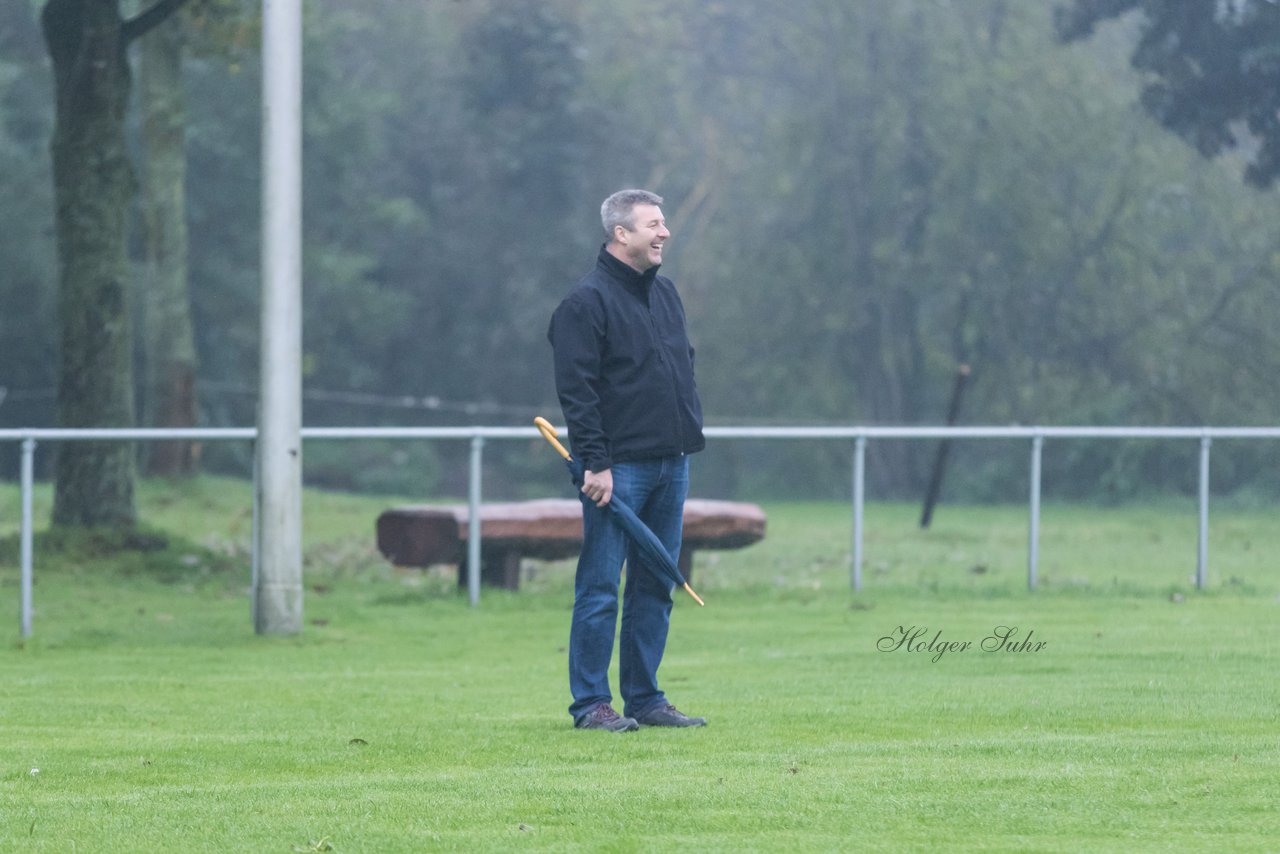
(654, 552)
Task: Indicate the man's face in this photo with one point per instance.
(642, 245)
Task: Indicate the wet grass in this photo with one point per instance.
(145, 715)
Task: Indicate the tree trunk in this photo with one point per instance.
(169, 350)
(92, 186)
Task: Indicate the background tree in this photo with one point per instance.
(93, 185)
(1213, 71)
(1211, 74)
(169, 352)
(213, 30)
(28, 345)
(862, 195)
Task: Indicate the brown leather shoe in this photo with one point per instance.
(668, 715)
(604, 717)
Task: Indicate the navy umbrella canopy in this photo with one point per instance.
(651, 548)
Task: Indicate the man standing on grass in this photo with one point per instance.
(624, 375)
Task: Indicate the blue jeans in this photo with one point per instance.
(655, 490)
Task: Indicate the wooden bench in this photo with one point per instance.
(549, 529)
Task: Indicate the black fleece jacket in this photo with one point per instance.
(624, 367)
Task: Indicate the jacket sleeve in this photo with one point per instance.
(577, 335)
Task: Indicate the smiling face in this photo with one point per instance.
(640, 246)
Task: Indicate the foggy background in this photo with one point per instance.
(862, 196)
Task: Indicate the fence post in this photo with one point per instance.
(26, 537)
(1202, 551)
(1033, 532)
(473, 520)
(255, 544)
(859, 492)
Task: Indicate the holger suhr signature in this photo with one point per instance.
(918, 639)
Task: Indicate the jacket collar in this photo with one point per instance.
(625, 273)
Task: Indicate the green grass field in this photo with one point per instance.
(144, 715)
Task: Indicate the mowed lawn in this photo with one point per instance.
(1127, 712)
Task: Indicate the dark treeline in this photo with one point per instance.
(862, 197)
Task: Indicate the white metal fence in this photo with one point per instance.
(858, 436)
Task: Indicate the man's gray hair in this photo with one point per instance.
(619, 209)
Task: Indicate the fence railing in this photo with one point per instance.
(477, 436)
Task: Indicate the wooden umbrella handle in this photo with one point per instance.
(549, 433)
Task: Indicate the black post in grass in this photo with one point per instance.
(940, 463)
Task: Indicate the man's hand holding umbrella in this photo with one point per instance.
(598, 486)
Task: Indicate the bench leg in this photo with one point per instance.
(498, 568)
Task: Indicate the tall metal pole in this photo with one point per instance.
(278, 595)
(27, 535)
